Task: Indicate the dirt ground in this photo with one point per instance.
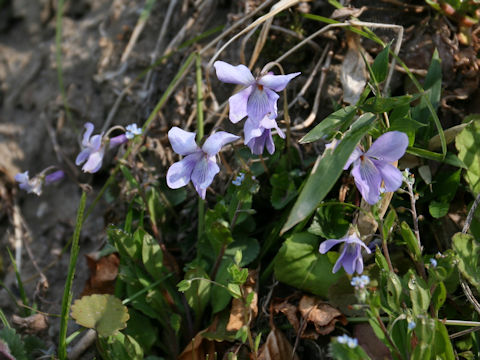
(36, 131)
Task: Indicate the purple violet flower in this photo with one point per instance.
(199, 164)
(351, 256)
(371, 167)
(35, 184)
(92, 150)
(257, 136)
(259, 98)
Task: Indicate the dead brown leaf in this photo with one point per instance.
(32, 324)
(199, 347)
(290, 311)
(322, 315)
(277, 347)
(354, 72)
(103, 272)
(237, 318)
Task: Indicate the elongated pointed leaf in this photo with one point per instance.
(328, 125)
(326, 171)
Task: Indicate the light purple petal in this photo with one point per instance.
(203, 174)
(358, 264)
(270, 123)
(239, 74)
(82, 157)
(353, 157)
(391, 176)
(389, 147)
(96, 142)
(118, 140)
(368, 180)
(353, 239)
(94, 162)
(179, 173)
(238, 105)
(22, 177)
(86, 137)
(269, 141)
(54, 177)
(276, 82)
(216, 141)
(183, 142)
(349, 257)
(328, 244)
(251, 130)
(261, 103)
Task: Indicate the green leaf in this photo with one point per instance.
(442, 347)
(128, 175)
(433, 89)
(120, 347)
(390, 291)
(327, 127)
(380, 105)
(104, 313)
(326, 171)
(468, 252)
(249, 247)
(439, 296)
(198, 294)
(425, 333)
(380, 65)
(388, 224)
(427, 154)
(444, 188)
(299, 264)
(152, 255)
(283, 190)
(419, 294)
(14, 342)
(330, 221)
(411, 240)
(142, 329)
(184, 285)
(127, 245)
(468, 146)
(217, 230)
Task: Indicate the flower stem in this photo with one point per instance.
(200, 132)
(67, 293)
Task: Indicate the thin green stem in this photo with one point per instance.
(67, 293)
(4, 320)
(200, 133)
(21, 289)
(58, 53)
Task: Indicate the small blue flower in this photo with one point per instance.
(411, 325)
(360, 281)
(433, 262)
(351, 256)
(199, 164)
(350, 342)
(132, 130)
(239, 179)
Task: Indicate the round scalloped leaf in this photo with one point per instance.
(104, 313)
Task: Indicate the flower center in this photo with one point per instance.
(260, 87)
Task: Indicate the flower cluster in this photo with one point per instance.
(359, 282)
(347, 340)
(257, 101)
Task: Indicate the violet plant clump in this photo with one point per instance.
(372, 167)
(199, 164)
(351, 257)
